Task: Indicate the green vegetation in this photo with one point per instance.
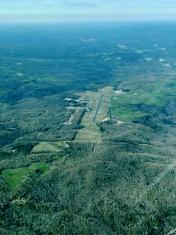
(49, 147)
(15, 176)
(125, 113)
(88, 130)
(126, 106)
(97, 109)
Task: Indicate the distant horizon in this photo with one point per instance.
(86, 10)
(137, 21)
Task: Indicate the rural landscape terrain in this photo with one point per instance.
(88, 129)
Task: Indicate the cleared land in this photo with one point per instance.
(43, 147)
(126, 107)
(16, 176)
(97, 110)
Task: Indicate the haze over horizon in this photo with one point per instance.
(86, 10)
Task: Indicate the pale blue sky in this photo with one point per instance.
(86, 10)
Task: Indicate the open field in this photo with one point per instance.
(97, 110)
(154, 95)
(44, 147)
(15, 176)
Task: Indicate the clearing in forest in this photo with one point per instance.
(43, 147)
(96, 111)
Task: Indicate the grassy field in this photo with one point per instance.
(156, 93)
(44, 147)
(15, 176)
(124, 113)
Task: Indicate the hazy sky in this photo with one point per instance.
(86, 10)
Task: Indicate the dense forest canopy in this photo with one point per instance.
(88, 129)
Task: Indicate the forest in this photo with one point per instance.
(87, 130)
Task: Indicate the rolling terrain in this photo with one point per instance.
(88, 130)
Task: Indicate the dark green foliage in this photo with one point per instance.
(123, 185)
